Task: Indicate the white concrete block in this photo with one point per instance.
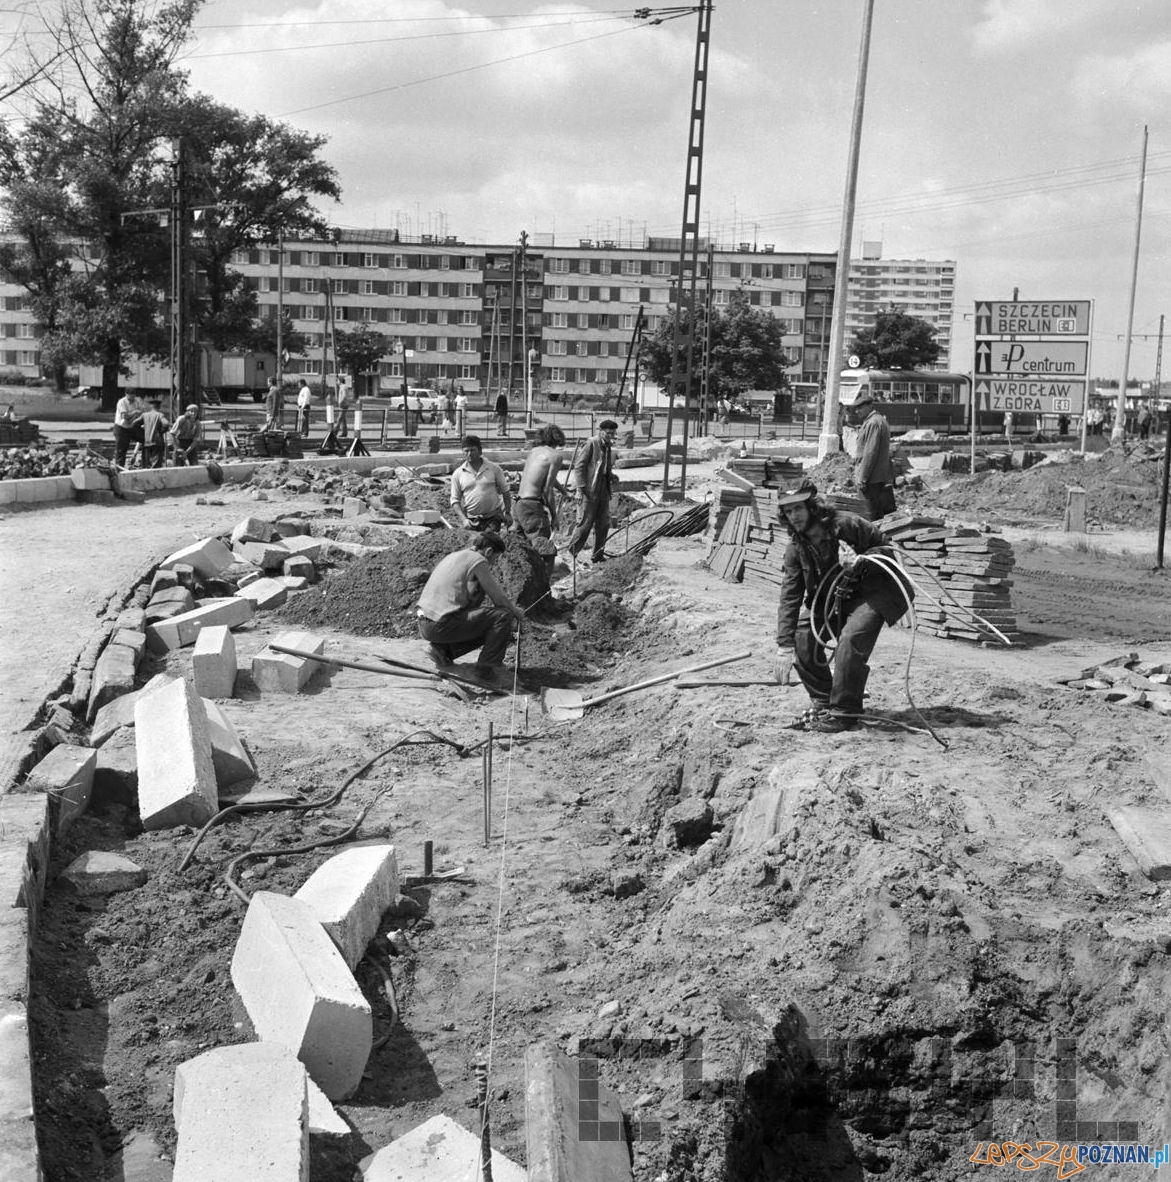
(213, 662)
(280, 673)
(324, 1120)
(298, 566)
(176, 776)
(89, 478)
(242, 1115)
(265, 594)
(253, 529)
(229, 756)
(19, 1160)
(294, 582)
(8, 492)
(120, 712)
(181, 630)
(303, 544)
(209, 557)
(438, 1150)
(103, 872)
(349, 895)
(24, 849)
(266, 555)
(113, 676)
(299, 993)
(66, 776)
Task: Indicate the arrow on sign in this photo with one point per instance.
(983, 357)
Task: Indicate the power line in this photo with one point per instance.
(411, 20)
(193, 57)
(465, 70)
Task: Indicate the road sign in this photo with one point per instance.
(1051, 396)
(1033, 318)
(1032, 358)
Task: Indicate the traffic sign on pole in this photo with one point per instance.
(1042, 358)
(1037, 395)
(1032, 318)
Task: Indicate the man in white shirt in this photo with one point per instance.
(127, 425)
(304, 402)
(461, 411)
(480, 494)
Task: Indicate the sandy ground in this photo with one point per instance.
(872, 942)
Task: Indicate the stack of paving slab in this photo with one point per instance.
(967, 574)
(1127, 681)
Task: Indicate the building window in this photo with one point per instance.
(583, 375)
(341, 313)
(720, 298)
(467, 345)
(311, 365)
(766, 299)
(441, 316)
(660, 267)
(398, 287)
(627, 320)
(601, 375)
(424, 289)
(398, 262)
(469, 317)
(792, 299)
(559, 293)
(603, 348)
(766, 270)
(557, 374)
(581, 349)
(264, 283)
(723, 271)
(662, 295)
(441, 345)
(584, 267)
(467, 290)
(367, 287)
(310, 286)
(312, 312)
(629, 295)
(445, 262)
(603, 269)
(369, 260)
(792, 270)
(397, 316)
(559, 320)
(631, 267)
(559, 266)
(467, 373)
(558, 348)
(441, 371)
(337, 286)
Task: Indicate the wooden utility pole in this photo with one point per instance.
(828, 441)
(1166, 449)
(1118, 433)
(682, 351)
(180, 282)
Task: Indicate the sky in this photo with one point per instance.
(1004, 134)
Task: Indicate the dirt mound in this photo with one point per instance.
(1119, 491)
(836, 471)
(377, 596)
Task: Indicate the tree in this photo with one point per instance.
(747, 351)
(104, 135)
(897, 341)
(360, 350)
(262, 336)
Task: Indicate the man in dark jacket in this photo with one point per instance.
(873, 472)
(815, 604)
(592, 479)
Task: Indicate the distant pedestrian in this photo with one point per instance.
(1144, 423)
(273, 406)
(461, 412)
(448, 412)
(345, 399)
(724, 411)
(1063, 425)
(304, 403)
(501, 411)
(154, 435)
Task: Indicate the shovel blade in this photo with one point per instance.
(562, 703)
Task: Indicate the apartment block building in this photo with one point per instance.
(490, 317)
(919, 287)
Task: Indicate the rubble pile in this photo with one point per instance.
(1127, 681)
(23, 463)
(385, 492)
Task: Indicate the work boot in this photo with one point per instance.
(440, 655)
(829, 723)
(493, 677)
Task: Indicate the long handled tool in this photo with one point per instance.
(456, 679)
(368, 667)
(569, 704)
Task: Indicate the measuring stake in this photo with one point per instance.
(481, 1071)
(428, 858)
(488, 788)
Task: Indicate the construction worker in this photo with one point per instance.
(453, 617)
(154, 435)
(593, 480)
(185, 436)
(480, 494)
(535, 508)
(873, 472)
(824, 594)
(128, 413)
(304, 405)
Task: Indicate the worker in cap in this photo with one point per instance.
(185, 435)
(825, 594)
(154, 434)
(873, 472)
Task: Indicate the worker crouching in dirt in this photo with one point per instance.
(453, 617)
(825, 596)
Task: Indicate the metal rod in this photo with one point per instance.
(481, 1070)
(428, 858)
(488, 788)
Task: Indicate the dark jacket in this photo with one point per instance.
(806, 563)
(873, 464)
(593, 469)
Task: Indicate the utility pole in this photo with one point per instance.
(1118, 433)
(706, 362)
(524, 326)
(1166, 449)
(682, 351)
(280, 308)
(828, 441)
(180, 281)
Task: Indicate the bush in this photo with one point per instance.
(12, 377)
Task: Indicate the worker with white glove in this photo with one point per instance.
(870, 597)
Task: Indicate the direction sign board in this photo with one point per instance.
(1033, 318)
(1052, 396)
(1032, 358)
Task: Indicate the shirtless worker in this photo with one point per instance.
(454, 618)
(535, 510)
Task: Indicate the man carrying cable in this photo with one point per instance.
(824, 596)
(480, 494)
(873, 472)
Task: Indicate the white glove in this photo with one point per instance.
(784, 668)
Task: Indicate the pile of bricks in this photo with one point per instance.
(961, 572)
(767, 471)
(1127, 681)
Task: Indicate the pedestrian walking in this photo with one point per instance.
(501, 412)
(304, 404)
(873, 470)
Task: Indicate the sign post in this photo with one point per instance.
(1044, 374)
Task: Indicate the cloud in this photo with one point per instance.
(1137, 81)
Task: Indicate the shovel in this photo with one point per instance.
(565, 704)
